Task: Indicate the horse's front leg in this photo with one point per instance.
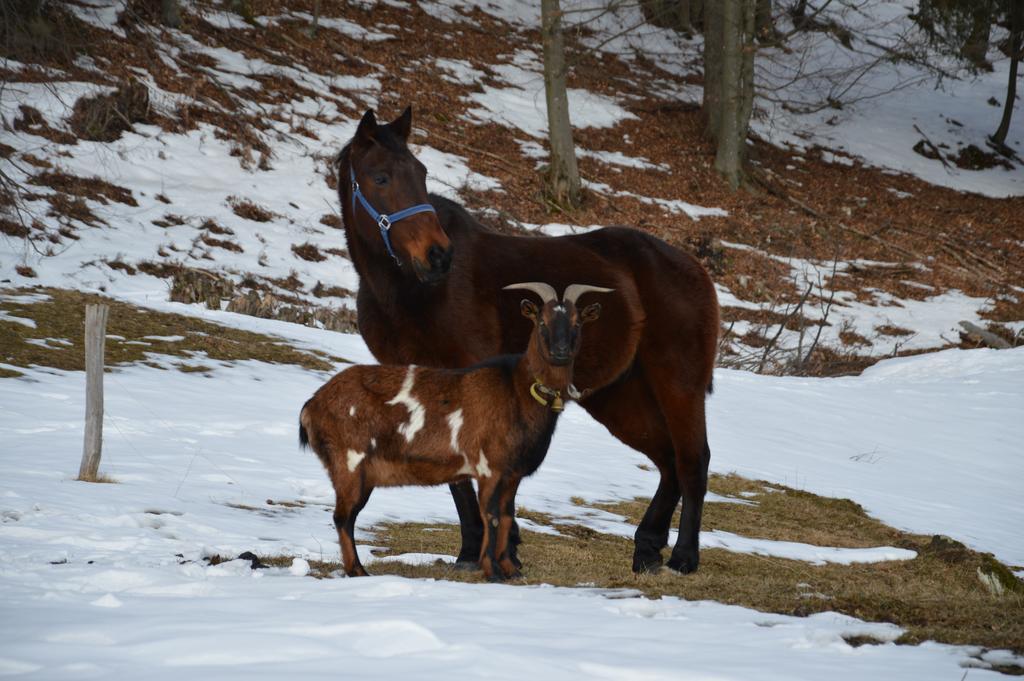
(470, 524)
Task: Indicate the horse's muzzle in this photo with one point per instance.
(440, 264)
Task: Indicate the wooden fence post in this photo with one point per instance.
(95, 337)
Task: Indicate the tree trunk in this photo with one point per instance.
(563, 175)
(975, 48)
(712, 68)
(737, 88)
(170, 14)
(727, 157)
(684, 10)
(696, 14)
(764, 22)
(95, 338)
(1016, 46)
(315, 26)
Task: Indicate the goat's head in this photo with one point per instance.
(557, 322)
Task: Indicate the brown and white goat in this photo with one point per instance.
(385, 426)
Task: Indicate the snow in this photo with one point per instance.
(522, 105)
(91, 569)
(109, 580)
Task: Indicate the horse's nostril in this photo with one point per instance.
(440, 259)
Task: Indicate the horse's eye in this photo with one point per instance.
(380, 179)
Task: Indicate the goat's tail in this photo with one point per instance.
(310, 437)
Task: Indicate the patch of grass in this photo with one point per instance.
(936, 596)
(891, 330)
(169, 220)
(221, 243)
(63, 315)
(104, 117)
(103, 478)
(332, 220)
(309, 252)
(244, 208)
(11, 228)
(34, 123)
(321, 291)
(88, 187)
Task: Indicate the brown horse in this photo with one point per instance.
(430, 293)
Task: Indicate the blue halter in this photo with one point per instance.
(383, 221)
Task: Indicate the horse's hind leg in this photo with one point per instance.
(629, 410)
(683, 410)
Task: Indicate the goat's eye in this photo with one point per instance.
(380, 179)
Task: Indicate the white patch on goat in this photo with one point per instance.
(482, 469)
(354, 459)
(352, 410)
(455, 424)
(417, 413)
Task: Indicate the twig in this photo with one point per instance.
(935, 149)
(475, 150)
(782, 326)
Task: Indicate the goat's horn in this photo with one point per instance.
(574, 291)
(546, 292)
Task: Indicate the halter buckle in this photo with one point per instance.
(384, 223)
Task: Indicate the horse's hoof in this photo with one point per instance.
(683, 566)
(466, 565)
(647, 565)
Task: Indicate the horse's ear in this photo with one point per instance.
(403, 124)
(367, 129)
(529, 309)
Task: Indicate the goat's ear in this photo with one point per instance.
(403, 124)
(367, 129)
(529, 309)
(590, 313)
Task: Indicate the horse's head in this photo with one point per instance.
(389, 198)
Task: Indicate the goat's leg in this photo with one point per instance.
(506, 521)
(490, 493)
(349, 500)
(469, 523)
(629, 410)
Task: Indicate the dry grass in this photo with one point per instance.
(309, 252)
(130, 330)
(937, 596)
(93, 188)
(103, 478)
(244, 208)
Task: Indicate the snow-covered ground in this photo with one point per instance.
(107, 581)
(93, 581)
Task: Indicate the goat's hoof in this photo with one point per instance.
(685, 565)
